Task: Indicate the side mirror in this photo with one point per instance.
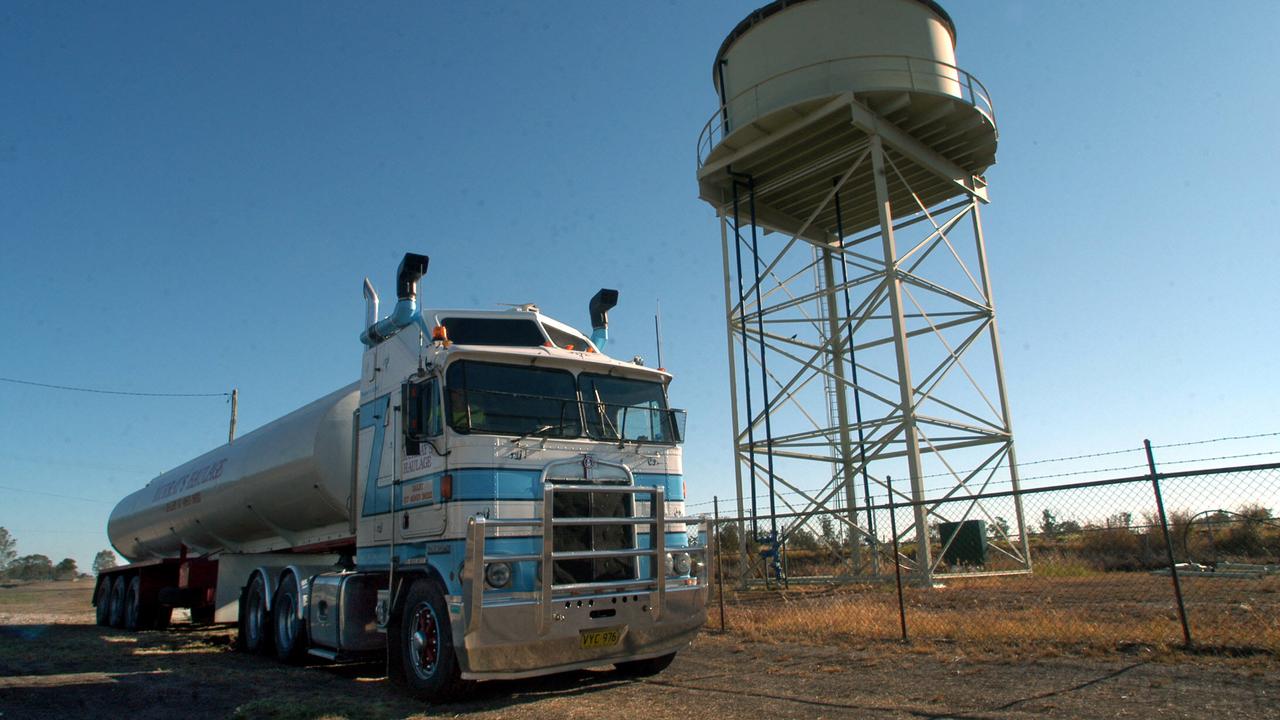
(415, 416)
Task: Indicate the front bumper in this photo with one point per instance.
(506, 643)
(502, 639)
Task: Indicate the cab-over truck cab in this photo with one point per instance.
(523, 494)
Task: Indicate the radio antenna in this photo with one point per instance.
(657, 332)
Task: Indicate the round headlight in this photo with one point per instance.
(680, 563)
(498, 575)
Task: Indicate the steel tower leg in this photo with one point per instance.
(998, 359)
(733, 402)
(836, 339)
(893, 283)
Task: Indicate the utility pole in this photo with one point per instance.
(231, 433)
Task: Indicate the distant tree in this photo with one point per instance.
(1048, 523)
(7, 549)
(999, 528)
(1119, 520)
(31, 567)
(827, 531)
(728, 537)
(1067, 527)
(105, 559)
(1255, 513)
(65, 570)
(802, 539)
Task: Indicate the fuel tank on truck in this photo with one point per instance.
(287, 484)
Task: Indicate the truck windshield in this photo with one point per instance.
(509, 399)
(623, 409)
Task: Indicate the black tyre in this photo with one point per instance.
(645, 668)
(291, 640)
(118, 590)
(255, 620)
(133, 610)
(102, 603)
(423, 646)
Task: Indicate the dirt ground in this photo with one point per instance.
(55, 663)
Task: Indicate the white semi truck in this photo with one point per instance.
(494, 498)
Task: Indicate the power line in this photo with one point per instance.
(110, 392)
(56, 495)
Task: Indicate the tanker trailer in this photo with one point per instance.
(495, 497)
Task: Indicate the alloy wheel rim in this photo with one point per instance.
(425, 641)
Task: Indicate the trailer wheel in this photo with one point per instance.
(428, 665)
(133, 613)
(102, 602)
(645, 668)
(291, 643)
(117, 601)
(255, 621)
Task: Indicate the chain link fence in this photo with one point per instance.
(1091, 573)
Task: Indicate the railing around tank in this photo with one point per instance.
(857, 73)
(549, 592)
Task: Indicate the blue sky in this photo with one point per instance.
(190, 196)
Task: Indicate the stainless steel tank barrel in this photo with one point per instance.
(285, 485)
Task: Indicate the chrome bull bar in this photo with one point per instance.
(549, 591)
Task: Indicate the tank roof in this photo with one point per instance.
(762, 13)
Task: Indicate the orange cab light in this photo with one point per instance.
(439, 334)
(590, 349)
(446, 487)
(548, 344)
(569, 346)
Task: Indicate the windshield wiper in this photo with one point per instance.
(600, 406)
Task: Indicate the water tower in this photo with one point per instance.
(845, 165)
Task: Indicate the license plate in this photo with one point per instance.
(600, 638)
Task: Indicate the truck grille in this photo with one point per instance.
(576, 538)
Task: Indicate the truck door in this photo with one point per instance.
(419, 505)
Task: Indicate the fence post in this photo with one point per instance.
(719, 571)
(1168, 544)
(897, 567)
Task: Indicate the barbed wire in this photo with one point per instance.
(1106, 453)
(99, 391)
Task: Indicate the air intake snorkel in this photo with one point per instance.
(601, 303)
(411, 270)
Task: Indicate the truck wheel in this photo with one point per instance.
(133, 604)
(645, 668)
(255, 621)
(291, 643)
(117, 601)
(428, 665)
(102, 603)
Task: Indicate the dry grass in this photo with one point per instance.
(1098, 612)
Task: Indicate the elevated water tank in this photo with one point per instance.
(781, 71)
